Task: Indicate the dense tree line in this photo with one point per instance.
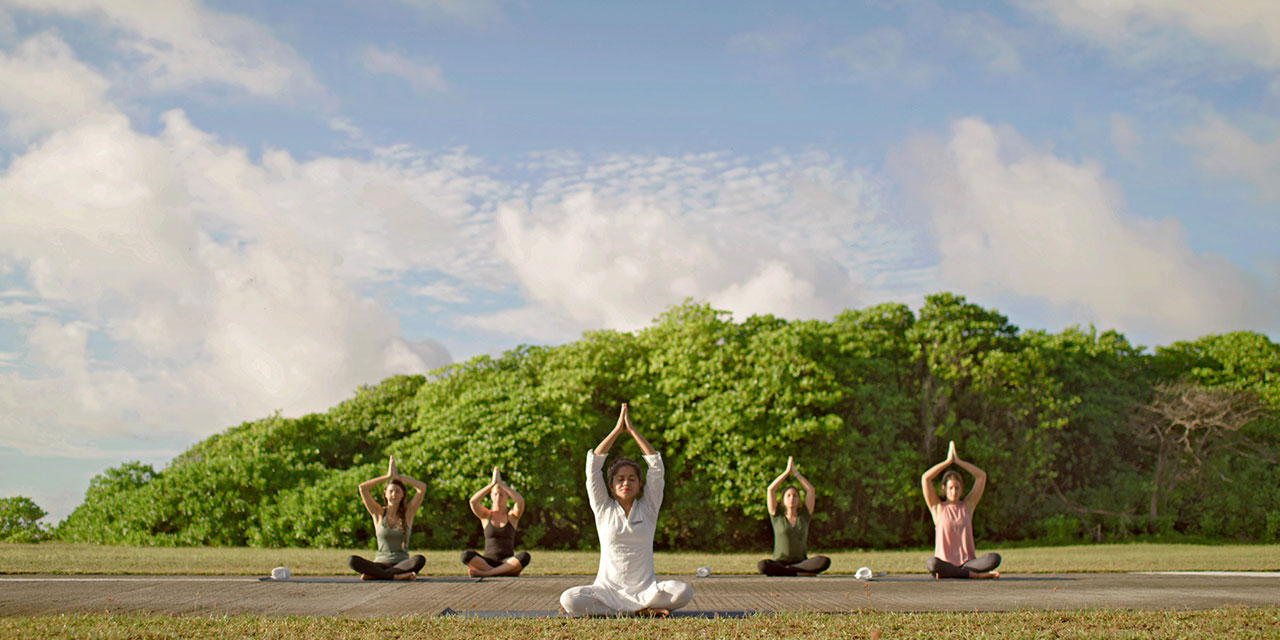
(865, 402)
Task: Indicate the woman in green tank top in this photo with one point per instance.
(791, 529)
(391, 524)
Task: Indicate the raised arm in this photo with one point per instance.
(979, 483)
(810, 496)
(477, 499)
(771, 494)
(597, 491)
(371, 505)
(607, 443)
(645, 448)
(419, 493)
(926, 480)
(517, 508)
(655, 476)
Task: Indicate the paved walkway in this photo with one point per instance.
(539, 595)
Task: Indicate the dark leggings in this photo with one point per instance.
(384, 571)
(523, 557)
(943, 569)
(812, 564)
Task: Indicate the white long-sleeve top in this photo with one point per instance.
(626, 580)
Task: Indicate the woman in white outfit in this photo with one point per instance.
(626, 513)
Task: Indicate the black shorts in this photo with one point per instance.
(523, 557)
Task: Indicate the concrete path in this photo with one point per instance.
(539, 595)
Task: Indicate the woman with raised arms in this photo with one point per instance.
(953, 550)
(791, 529)
(391, 524)
(626, 513)
(499, 525)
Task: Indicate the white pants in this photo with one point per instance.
(582, 601)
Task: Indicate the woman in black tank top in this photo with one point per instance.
(499, 558)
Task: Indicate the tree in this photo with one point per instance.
(1187, 426)
(20, 520)
(863, 402)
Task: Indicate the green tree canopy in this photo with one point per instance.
(865, 402)
(20, 520)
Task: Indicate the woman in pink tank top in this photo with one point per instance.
(953, 551)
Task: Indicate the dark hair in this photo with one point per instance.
(946, 477)
(613, 470)
(403, 500)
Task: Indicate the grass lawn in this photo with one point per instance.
(59, 558)
(1214, 623)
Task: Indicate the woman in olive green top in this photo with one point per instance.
(791, 529)
(392, 525)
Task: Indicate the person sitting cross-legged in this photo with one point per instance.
(499, 524)
(791, 528)
(954, 555)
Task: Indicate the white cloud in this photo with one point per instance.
(1227, 150)
(882, 54)
(57, 346)
(422, 76)
(46, 88)
(442, 291)
(1246, 29)
(8, 30)
(216, 287)
(1010, 219)
(614, 241)
(1124, 137)
(181, 43)
(529, 321)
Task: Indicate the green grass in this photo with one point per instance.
(61, 558)
(1213, 623)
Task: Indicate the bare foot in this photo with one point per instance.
(991, 575)
(474, 573)
(406, 576)
(654, 613)
(365, 576)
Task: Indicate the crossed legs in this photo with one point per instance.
(811, 566)
(982, 567)
(404, 570)
(481, 566)
(582, 601)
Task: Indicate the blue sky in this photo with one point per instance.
(210, 211)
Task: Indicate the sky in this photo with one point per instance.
(211, 211)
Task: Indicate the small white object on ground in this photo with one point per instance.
(703, 571)
(864, 573)
(281, 573)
